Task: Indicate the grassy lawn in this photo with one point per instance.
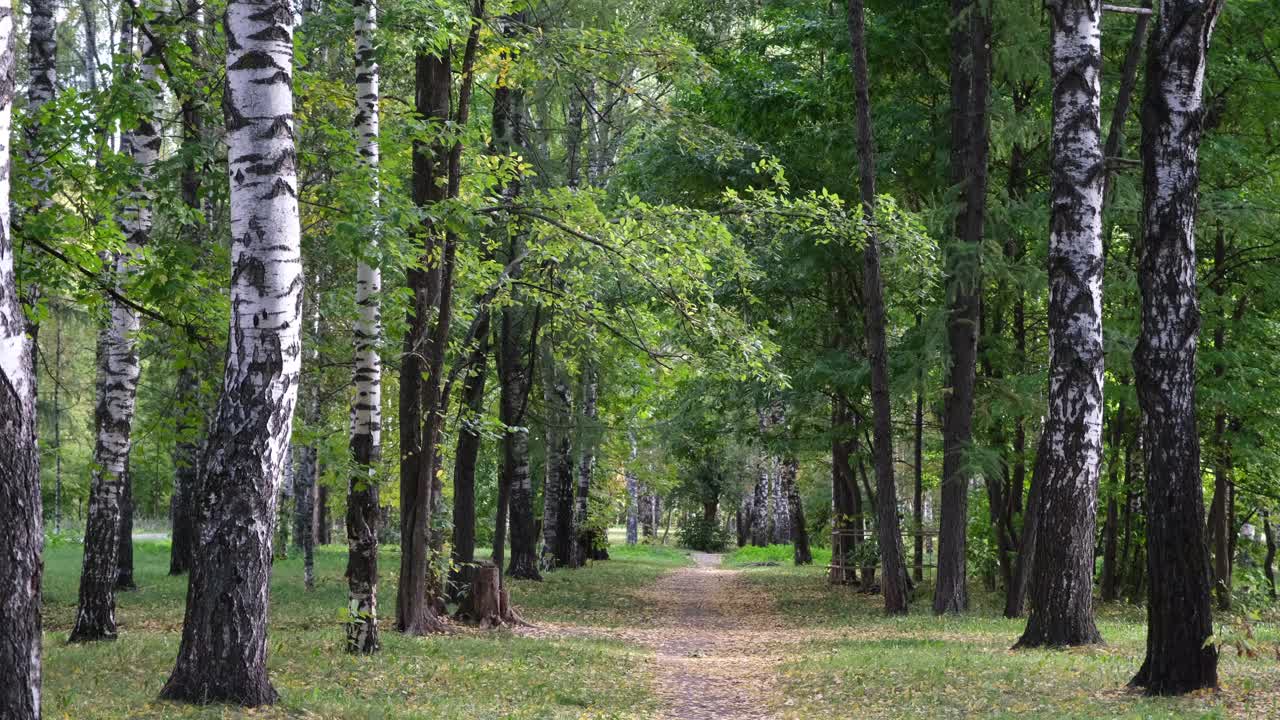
(860, 663)
(467, 675)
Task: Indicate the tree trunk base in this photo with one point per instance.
(488, 604)
(201, 690)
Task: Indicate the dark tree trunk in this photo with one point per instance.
(124, 556)
(557, 506)
(760, 509)
(223, 652)
(468, 451)
(970, 85)
(323, 526)
(1110, 550)
(633, 497)
(917, 500)
(1221, 516)
(304, 507)
(893, 580)
(587, 543)
(843, 493)
(419, 376)
(185, 458)
(1062, 574)
(1016, 593)
(1180, 655)
(22, 540)
(1268, 564)
(799, 532)
(190, 409)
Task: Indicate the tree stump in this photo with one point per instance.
(488, 604)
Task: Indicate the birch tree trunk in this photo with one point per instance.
(223, 653)
(117, 377)
(1180, 656)
(893, 581)
(970, 86)
(1062, 583)
(366, 408)
(20, 512)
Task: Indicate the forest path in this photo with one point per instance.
(717, 652)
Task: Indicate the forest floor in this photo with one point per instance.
(654, 632)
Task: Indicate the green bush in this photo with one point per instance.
(698, 534)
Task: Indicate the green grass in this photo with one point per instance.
(466, 675)
(922, 666)
(780, 554)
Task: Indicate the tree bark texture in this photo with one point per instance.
(585, 540)
(1061, 611)
(1179, 657)
(366, 408)
(970, 87)
(467, 454)
(799, 532)
(893, 581)
(419, 381)
(119, 368)
(557, 488)
(20, 513)
(223, 652)
(1016, 593)
(124, 556)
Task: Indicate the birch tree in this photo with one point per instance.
(1062, 587)
(20, 511)
(1181, 656)
(119, 368)
(223, 652)
(366, 408)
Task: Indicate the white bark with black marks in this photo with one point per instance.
(366, 408)
(1061, 610)
(20, 512)
(119, 368)
(222, 656)
(1181, 656)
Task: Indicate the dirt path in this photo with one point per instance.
(716, 655)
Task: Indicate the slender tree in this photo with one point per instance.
(557, 490)
(893, 581)
(633, 495)
(189, 412)
(415, 613)
(306, 479)
(585, 542)
(20, 512)
(1062, 586)
(517, 346)
(1180, 655)
(801, 553)
(223, 652)
(119, 368)
(970, 87)
(366, 407)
